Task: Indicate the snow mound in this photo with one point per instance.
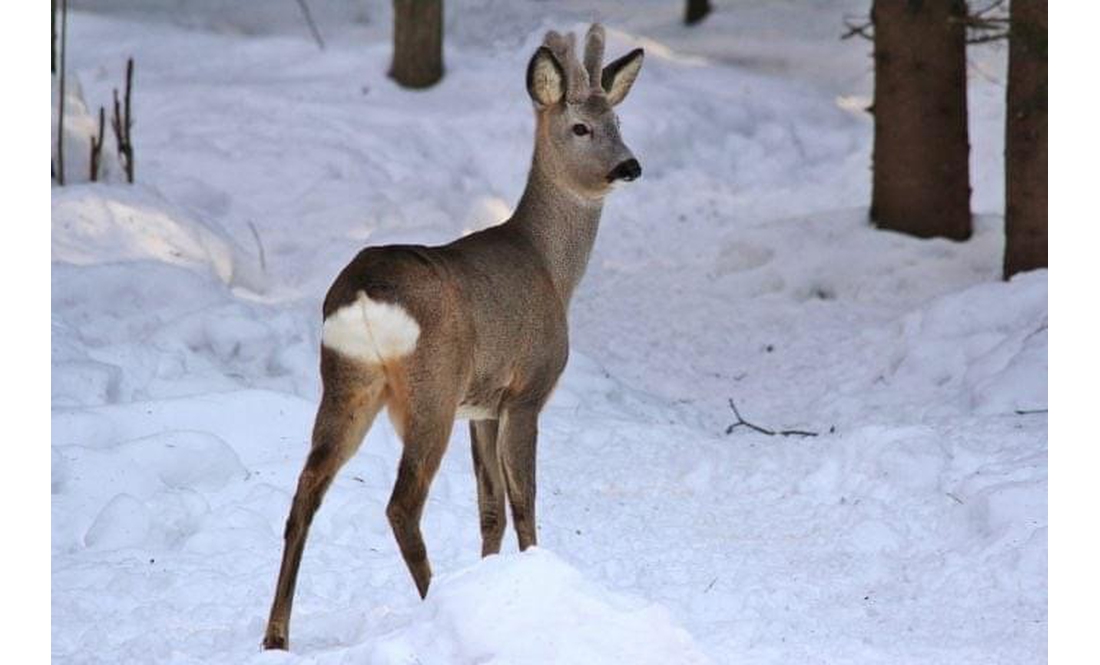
(104, 224)
(987, 342)
(533, 607)
(123, 522)
(187, 460)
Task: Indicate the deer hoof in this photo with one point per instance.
(275, 642)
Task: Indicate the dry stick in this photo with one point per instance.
(741, 421)
(994, 37)
(995, 4)
(312, 26)
(122, 121)
(97, 149)
(129, 122)
(116, 123)
(860, 29)
(260, 245)
(61, 99)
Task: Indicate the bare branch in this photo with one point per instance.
(122, 121)
(984, 39)
(312, 26)
(259, 245)
(763, 430)
(994, 5)
(987, 24)
(858, 27)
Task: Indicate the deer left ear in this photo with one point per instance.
(619, 75)
(545, 78)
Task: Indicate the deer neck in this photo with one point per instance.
(560, 224)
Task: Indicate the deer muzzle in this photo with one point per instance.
(628, 170)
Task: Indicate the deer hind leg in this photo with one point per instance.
(425, 430)
(490, 484)
(352, 398)
(518, 436)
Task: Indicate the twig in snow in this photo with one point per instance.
(312, 26)
(259, 245)
(1035, 332)
(97, 150)
(711, 585)
(121, 123)
(957, 499)
(742, 422)
(1026, 412)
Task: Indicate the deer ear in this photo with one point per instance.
(545, 78)
(619, 75)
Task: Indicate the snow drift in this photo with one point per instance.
(534, 608)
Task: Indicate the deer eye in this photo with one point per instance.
(581, 129)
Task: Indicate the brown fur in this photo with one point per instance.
(491, 308)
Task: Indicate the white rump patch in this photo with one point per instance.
(370, 331)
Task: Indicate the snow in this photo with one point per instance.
(556, 615)
(186, 329)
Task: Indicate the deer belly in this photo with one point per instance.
(481, 400)
(475, 412)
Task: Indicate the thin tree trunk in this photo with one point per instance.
(1026, 139)
(921, 179)
(696, 11)
(61, 99)
(417, 42)
(53, 36)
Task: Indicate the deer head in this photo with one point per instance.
(577, 142)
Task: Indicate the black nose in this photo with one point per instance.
(628, 170)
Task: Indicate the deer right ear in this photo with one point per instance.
(545, 78)
(619, 75)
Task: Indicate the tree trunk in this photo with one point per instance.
(697, 10)
(61, 97)
(53, 36)
(921, 177)
(1026, 139)
(417, 42)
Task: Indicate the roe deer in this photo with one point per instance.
(475, 329)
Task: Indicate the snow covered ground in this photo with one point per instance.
(186, 319)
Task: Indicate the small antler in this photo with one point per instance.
(564, 49)
(593, 54)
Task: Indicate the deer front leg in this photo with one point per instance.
(490, 484)
(518, 436)
(425, 442)
(342, 420)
